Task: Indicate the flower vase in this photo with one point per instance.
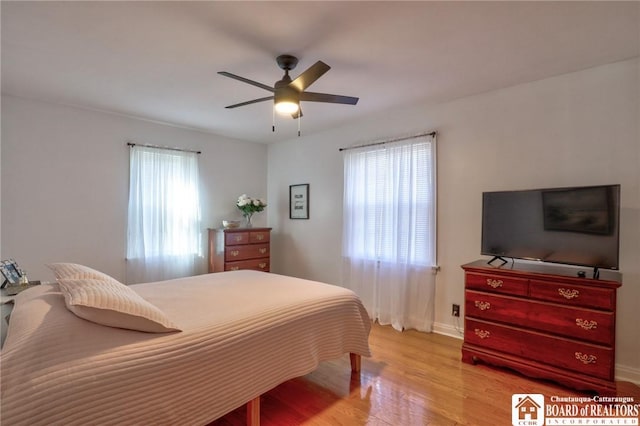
(248, 218)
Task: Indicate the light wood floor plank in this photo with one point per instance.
(412, 378)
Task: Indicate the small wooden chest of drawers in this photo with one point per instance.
(543, 324)
(239, 248)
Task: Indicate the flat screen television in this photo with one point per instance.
(575, 226)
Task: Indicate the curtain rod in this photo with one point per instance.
(388, 141)
(164, 147)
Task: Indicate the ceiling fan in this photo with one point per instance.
(288, 93)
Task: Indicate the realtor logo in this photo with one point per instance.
(527, 409)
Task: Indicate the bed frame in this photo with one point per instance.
(253, 406)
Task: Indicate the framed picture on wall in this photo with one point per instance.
(299, 201)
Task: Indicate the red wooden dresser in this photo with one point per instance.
(542, 322)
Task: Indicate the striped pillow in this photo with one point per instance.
(73, 270)
(113, 304)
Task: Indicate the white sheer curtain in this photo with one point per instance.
(163, 235)
(389, 230)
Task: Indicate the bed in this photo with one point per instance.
(242, 334)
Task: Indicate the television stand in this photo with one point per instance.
(504, 261)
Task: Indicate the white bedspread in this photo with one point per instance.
(244, 332)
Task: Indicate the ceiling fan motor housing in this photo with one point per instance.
(283, 92)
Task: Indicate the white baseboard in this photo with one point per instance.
(623, 372)
(448, 330)
(628, 374)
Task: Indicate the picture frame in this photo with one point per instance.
(299, 201)
(11, 272)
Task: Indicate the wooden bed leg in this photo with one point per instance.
(253, 412)
(355, 362)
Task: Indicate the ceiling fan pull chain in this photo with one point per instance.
(273, 119)
(299, 120)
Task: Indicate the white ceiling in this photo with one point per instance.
(159, 60)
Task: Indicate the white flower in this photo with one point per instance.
(249, 205)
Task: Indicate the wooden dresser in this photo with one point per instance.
(542, 322)
(239, 248)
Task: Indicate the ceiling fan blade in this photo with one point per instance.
(268, 98)
(308, 77)
(246, 80)
(326, 97)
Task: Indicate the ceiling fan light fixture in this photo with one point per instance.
(287, 107)
(286, 99)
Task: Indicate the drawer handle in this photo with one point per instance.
(494, 283)
(234, 253)
(263, 250)
(483, 334)
(483, 306)
(234, 268)
(238, 238)
(568, 294)
(259, 237)
(262, 265)
(586, 359)
(586, 324)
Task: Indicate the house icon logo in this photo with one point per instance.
(527, 409)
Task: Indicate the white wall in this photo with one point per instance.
(573, 129)
(65, 174)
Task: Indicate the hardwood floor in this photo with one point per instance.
(412, 379)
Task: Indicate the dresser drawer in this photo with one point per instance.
(255, 264)
(584, 358)
(578, 323)
(259, 237)
(497, 283)
(251, 251)
(235, 238)
(575, 295)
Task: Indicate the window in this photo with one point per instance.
(164, 237)
(389, 203)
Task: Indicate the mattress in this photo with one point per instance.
(243, 333)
